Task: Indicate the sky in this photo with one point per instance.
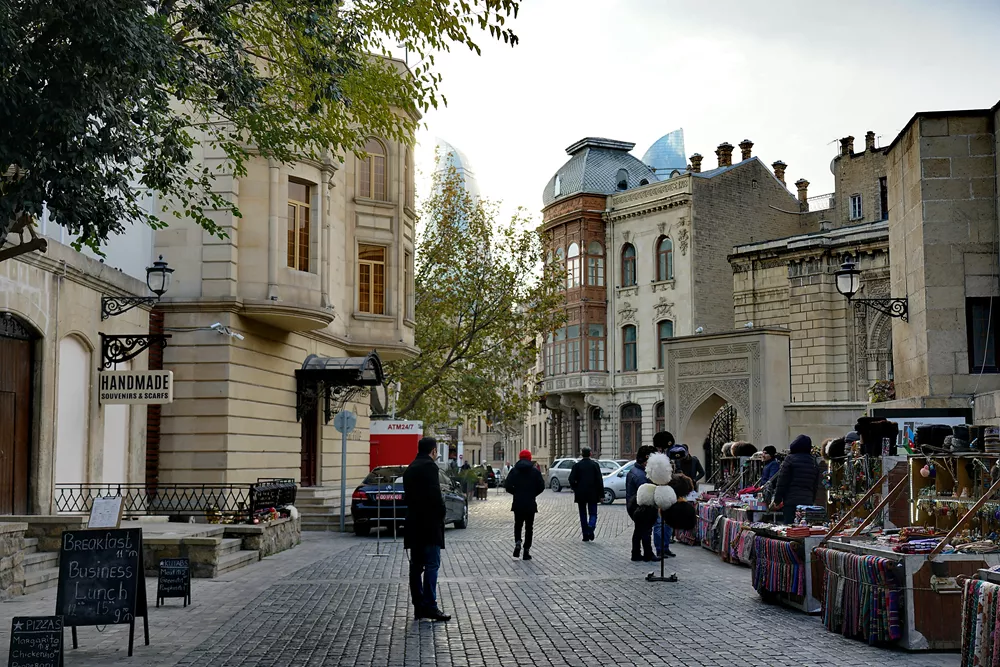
(791, 76)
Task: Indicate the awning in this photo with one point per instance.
(343, 371)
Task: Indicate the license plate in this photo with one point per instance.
(390, 496)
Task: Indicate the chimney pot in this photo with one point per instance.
(847, 146)
(869, 140)
(745, 147)
(779, 171)
(725, 154)
(825, 225)
(696, 163)
(803, 187)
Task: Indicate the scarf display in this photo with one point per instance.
(729, 551)
(861, 598)
(687, 536)
(707, 515)
(778, 567)
(980, 624)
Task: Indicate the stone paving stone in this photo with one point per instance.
(330, 602)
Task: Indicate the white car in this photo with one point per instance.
(608, 466)
(559, 474)
(614, 483)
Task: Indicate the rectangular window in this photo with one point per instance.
(982, 319)
(371, 279)
(665, 331)
(408, 285)
(629, 359)
(548, 361)
(883, 198)
(573, 349)
(595, 347)
(595, 271)
(856, 212)
(560, 350)
(298, 225)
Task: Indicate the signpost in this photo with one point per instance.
(344, 422)
(174, 580)
(136, 387)
(106, 513)
(36, 641)
(101, 580)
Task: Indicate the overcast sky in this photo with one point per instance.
(791, 76)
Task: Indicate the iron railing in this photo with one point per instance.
(239, 503)
(821, 202)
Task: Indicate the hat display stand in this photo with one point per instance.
(661, 494)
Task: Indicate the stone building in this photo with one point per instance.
(645, 261)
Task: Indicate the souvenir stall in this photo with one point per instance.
(709, 510)
(981, 619)
(781, 564)
(738, 467)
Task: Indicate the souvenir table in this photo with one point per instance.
(708, 512)
(781, 567)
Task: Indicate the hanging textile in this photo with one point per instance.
(980, 624)
(686, 537)
(707, 514)
(861, 597)
(730, 548)
(778, 567)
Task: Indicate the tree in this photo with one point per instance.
(97, 96)
(481, 304)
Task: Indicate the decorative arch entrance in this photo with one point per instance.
(17, 347)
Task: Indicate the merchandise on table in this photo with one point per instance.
(980, 621)
(861, 596)
(778, 566)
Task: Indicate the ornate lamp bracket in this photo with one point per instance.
(117, 349)
(116, 305)
(891, 307)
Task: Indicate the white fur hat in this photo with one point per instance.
(646, 495)
(665, 497)
(659, 469)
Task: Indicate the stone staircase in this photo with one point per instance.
(41, 568)
(232, 557)
(319, 507)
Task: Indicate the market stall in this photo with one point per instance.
(781, 564)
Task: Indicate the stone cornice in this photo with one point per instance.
(651, 207)
(77, 267)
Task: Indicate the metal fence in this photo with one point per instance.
(238, 503)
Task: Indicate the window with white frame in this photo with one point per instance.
(856, 211)
(573, 266)
(595, 264)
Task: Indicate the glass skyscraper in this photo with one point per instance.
(666, 154)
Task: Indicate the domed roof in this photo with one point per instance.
(597, 166)
(667, 154)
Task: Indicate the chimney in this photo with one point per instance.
(803, 186)
(745, 147)
(696, 163)
(847, 146)
(725, 154)
(779, 171)
(869, 140)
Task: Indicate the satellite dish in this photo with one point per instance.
(379, 401)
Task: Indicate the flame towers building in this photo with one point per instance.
(667, 154)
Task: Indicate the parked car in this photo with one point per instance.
(380, 501)
(559, 473)
(614, 484)
(608, 465)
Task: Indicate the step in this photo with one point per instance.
(230, 545)
(30, 545)
(234, 561)
(41, 580)
(304, 504)
(325, 523)
(37, 562)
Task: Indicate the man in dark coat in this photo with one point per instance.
(797, 478)
(424, 534)
(524, 483)
(587, 483)
(642, 533)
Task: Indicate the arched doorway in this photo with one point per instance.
(595, 431)
(722, 430)
(17, 346)
(631, 430)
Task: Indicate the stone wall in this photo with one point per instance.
(858, 173)
(49, 529)
(11, 559)
(203, 552)
(822, 420)
(268, 538)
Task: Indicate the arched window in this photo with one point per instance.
(372, 176)
(628, 265)
(664, 259)
(573, 266)
(631, 434)
(660, 417)
(498, 452)
(595, 264)
(621, 179)
(560, 264)
(629, 358)
(664, 332)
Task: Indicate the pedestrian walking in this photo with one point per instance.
(424, 534)
(525, 483)
(587, 483)
(642, 533)
(797, 479)
(662, 533)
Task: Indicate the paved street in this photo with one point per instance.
(330, 602)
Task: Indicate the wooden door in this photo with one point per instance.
(310, 446)
(15, 424)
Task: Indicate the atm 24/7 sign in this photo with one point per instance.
(136, 387)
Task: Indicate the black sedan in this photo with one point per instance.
(380, 501)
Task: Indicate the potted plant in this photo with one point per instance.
(881, 391)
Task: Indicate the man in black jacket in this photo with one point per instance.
(424, 535)
(525, 483)
(797, 479)
(587, 483)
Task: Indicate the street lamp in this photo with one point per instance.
(158, 282)
(848, 280)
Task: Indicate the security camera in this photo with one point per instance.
(217, 326)
(237, 336)
(699, 330)
(748, 325)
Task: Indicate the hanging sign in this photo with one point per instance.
(136, 387)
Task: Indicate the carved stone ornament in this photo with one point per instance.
(682, 240)
(664, 309)
(662, 227)
(626, 313)
(626, 235)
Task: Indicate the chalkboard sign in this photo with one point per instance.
(174, 580)
(101, 580)
(36, 641)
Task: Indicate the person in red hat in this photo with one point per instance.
(524, 483)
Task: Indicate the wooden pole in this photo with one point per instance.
(961, 522)
(885, 501)
(877, 486)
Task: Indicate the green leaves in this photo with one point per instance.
(481, 302)
(97, 96)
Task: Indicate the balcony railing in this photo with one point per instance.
(821, 202)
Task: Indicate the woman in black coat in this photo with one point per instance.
(797, 479)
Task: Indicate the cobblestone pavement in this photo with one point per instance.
(331, 602)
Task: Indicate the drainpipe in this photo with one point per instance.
(272, 230)
(610, 354)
